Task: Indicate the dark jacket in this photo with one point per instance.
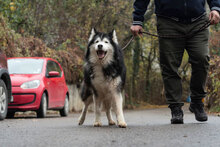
(186, 11)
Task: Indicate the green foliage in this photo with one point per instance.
(13, 10)
(57, 21)
(213, 83)
(215, 109)
(64, 45)
(214, 42)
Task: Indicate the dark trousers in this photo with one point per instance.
(171, 53)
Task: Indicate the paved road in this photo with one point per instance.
(145, 128)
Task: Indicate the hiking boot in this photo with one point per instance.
(198, 110)
(177, 113)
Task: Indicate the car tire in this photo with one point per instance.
(3, 100)
(42, 111)
(10, 114)
(65, 110)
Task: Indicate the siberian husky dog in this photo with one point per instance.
(104, 78)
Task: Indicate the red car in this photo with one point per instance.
(38, 84)
(5, 86)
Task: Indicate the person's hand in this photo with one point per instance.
(136, 30)
(214, 17)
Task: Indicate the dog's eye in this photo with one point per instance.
(106, 41)
(97, 41)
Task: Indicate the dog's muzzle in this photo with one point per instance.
(101, 54)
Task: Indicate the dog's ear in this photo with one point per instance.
(114, 36)
(92, 34)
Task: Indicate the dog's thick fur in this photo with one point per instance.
(104, 78)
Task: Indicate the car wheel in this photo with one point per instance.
(65, 110)
(42, 111)
(3, 100)
(10, 114)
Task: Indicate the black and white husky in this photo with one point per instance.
(104, 78)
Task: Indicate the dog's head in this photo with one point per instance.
(101, 47)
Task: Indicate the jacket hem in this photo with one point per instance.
(140, 23)
(216, 8)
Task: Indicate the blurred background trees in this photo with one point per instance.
(60, 28)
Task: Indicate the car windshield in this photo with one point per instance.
(25, 66)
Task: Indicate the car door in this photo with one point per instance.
(52, 86)
(61, 87)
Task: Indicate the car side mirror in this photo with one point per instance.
(54, 74)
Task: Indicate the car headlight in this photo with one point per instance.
(31, 84)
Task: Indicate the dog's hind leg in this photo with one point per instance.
(117, 105)
(87, 102)
(107, 104)
(98, 103)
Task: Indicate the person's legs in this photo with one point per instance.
(197, 48)
(171, 53)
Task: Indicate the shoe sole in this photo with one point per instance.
(177, 122)
(201, 120)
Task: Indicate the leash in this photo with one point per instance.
(203, 27)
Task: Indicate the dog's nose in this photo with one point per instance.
(100, 46)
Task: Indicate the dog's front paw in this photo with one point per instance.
(122, 124)
(111, 123)
(97, 124)
(81, 120)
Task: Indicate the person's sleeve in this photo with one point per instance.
(140, 7)
(214, 5)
